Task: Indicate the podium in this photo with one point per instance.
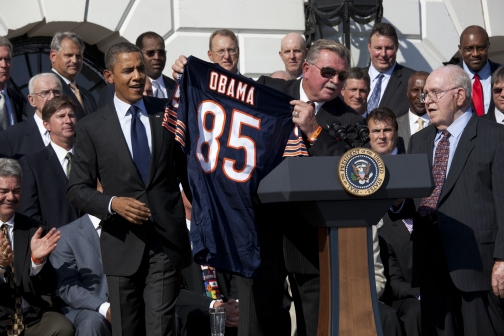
(348, 300)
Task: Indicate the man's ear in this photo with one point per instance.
(109, 76)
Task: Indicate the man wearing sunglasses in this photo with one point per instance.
(473, 48)
(497, 114)
(154, 57)
(458, 240)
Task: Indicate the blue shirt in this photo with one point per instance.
(456, 129)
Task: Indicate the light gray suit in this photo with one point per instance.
(404, 130)
(81, 281)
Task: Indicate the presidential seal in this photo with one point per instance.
(361, 171)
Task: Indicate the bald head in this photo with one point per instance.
(473, 47)
(281, 74)
(293, 53)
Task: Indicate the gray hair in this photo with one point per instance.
(4, 42)
(460, 78)
(35, 78)
(119, 48)
(359, 74)
(10, 168)
(498, 75)
(330, 45)
(60, 36)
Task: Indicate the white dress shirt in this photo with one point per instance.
(485, 75)
(96, 224)
(43, 132)
(35, 269)
(413, 121)
(61, 154)
(499, 116)
(373, 75)
(304, 97)
(162, 85)
(64, 79)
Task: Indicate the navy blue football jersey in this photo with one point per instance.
(234, 132)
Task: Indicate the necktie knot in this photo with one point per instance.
(134, 110)
(446, 134)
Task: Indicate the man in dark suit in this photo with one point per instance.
(144, 241)
(30, 136)
(473, 48)
(416, 119)
(458, 230)
(12, 103)
(66, 55)
(154, 54)
(24, 279)
(45, 178)
(82, 285)
(388, 79)
(497, 114)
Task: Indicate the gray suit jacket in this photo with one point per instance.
(404, 130)
(79, 273)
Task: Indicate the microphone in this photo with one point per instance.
(339, 131)
(362, 131)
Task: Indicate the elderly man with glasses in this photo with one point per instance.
(30, 136)
(497, 114)
(459, 229)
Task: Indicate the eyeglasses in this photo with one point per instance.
(46, 94)
(434, 95)
(151, 53)
(222, 52)
(497, 90)
(327, 72)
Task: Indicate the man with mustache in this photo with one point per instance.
(473, 48)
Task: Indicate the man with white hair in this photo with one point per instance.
(293, 53)
(30, 136)
(459, 228)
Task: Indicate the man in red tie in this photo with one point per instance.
(473, 48)
(458, 231)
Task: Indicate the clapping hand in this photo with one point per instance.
(42, 247)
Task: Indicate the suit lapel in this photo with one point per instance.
(88, 232)
(21, 244)
(111, 126)
(401, 230)
(464, 148)
(33, 133)
(55, 168)
(428, 142)
(394, 82)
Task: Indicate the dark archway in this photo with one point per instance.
(31, 57)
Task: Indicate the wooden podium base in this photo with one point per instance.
(348, 302)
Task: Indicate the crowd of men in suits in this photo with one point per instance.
(95, 197)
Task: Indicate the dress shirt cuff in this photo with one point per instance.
(35, 269)
(110, 207)
(104, 308)
(398, 210)
(213, 303)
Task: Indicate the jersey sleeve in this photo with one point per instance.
(175, 117)
(295, 145)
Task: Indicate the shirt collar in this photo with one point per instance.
(66, 80)
(95, 220)
(458, 126)
(394, 152)
(499, 116)
(485, 72)
(10, 222)
(414, 118)
(40, 124)
(122, 108)
(304, 97)
(60, 152)
(373, 73)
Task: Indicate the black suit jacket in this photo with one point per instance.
(394, 96)
(300, 238)
(87, 97)
(44, 187)
(30, 287)
(469, 215)
(107, 93)
(101, 152)
(21, 139)
(491, 108)
(18, 102)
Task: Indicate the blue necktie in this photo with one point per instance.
(139, 144)
(374, 100)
